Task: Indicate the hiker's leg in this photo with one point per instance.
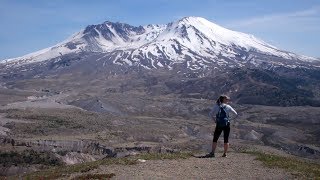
(214, 146)
(226, 147)
(216, 135)
(226, 132)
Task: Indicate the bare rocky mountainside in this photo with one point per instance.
(113, 89)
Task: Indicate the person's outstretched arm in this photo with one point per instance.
(233, 111)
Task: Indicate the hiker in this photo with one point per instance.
(220, 113)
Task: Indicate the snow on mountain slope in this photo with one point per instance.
(47, 53)
(192, 40)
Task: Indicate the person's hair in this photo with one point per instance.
(221, 98)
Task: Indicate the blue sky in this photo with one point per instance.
(30, 25)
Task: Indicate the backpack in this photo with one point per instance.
(222, 118)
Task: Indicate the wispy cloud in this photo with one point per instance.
(311, 16)
(295, 31)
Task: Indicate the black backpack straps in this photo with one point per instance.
(224, 108)
(219, 111)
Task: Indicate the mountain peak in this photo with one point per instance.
(187, 18)
(189, 38)
(193, 18)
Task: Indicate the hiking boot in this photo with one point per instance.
(224, 155)
(210, 155)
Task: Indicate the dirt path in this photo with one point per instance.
(236, 166)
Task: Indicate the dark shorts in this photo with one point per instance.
(218, 131)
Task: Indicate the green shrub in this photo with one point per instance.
(66, 171)
(300, 168)
(94, 176)
(28, 157)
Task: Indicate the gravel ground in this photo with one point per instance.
(235, 166)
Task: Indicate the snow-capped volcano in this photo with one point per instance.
(188, 58)
(192, 40)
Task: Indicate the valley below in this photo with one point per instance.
(55, 122)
